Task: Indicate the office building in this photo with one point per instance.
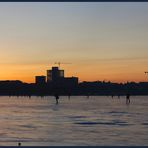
(40, 80)
(54, 74)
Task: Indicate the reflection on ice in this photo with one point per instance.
(98, 120)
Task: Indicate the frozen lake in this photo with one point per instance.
(80, 121)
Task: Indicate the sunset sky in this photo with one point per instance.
(102, 41)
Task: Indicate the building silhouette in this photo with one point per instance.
(56, 83)
(54, 74)
(55, 77)
(40, 80)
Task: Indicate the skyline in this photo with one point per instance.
(103, 41)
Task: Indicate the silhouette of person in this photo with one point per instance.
(57, 98)
(69, 96)
(118, 96)
(87, 96)
(112, 96)
(127, 98)
(19, 144)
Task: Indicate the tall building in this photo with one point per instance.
(54, 74)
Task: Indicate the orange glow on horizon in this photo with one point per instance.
(27, 73)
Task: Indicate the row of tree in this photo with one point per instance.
(85, 88)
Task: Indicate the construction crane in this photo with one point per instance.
(59, 63)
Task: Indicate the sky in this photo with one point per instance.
(101, 41)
